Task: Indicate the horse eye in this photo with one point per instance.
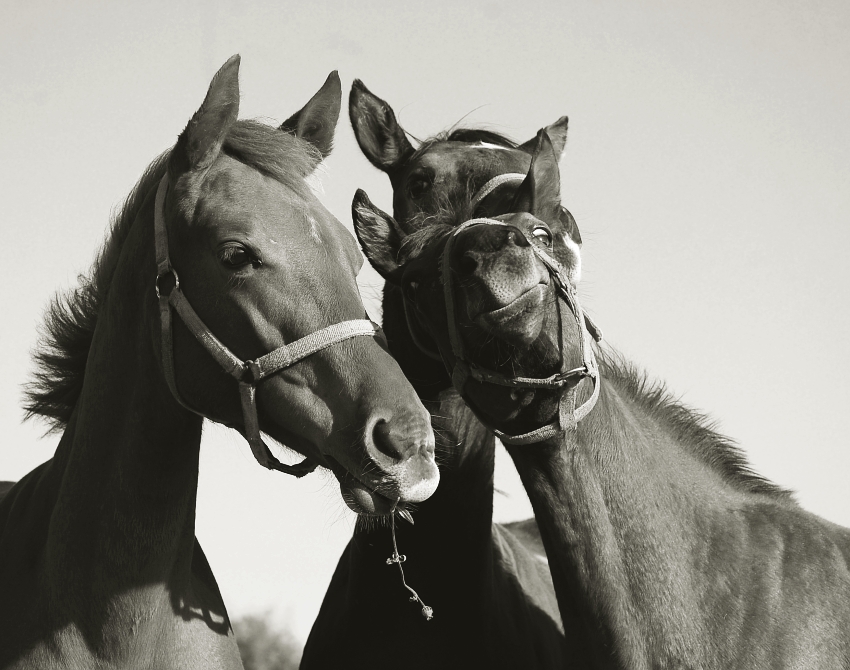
(417, 187)
(410, 290)
(543, 235)
(235, 256)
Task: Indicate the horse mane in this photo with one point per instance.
(72, 315)
(694, 429)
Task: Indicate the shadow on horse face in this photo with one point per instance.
(265, 264)
(504, 307)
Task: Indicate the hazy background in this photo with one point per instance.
(708, 167)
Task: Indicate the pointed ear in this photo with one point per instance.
(199, 144)
(316, 121)
(557, 134)
(540, 192)
(379, 235)
(379, 135)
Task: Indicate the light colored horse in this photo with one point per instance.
(264, 329)
(666, 550)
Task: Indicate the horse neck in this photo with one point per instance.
(458, 518)
(129, 457)
(466, 449)
(616, 503)
(450, 554)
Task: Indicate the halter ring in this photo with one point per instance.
(171, 271)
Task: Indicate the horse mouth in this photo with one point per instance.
(517, 313)
(361, 498)
(366, 502)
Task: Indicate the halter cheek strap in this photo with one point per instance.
(247, 373)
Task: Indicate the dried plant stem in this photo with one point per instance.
(398, 559)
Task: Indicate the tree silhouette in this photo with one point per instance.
(264, 647)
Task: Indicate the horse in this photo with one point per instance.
(492, 597)
(99, 564)
(666, 549)
(489, 584)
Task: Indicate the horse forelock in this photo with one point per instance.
(71, 317)
(274, 153)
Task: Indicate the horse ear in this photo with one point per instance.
(200, 142)
(379, 235)
(379, 135)
(540, 192)
(557, 134)
(316, 121)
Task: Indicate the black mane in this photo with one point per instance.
(695, 430)
(480, 135)
(469, 135)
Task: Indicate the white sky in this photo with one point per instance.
(707, 167)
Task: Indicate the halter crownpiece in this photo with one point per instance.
(247, 373)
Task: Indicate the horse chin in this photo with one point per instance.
(520, 322)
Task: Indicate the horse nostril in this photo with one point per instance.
(468, 264)
(383, 440)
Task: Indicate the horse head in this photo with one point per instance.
(264, 265)
(491, 289)
(444, 171)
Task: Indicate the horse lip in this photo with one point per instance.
(349, 482)
(529, 299)
(347, 479)
(382, 505)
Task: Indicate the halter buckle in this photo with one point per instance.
(576, 374)
(164, 273)
(250, 373)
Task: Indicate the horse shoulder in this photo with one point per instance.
(782, 584)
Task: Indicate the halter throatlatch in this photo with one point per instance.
(247, 373)
(566, 380)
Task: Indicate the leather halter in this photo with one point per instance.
(247, 373)
(566, 380)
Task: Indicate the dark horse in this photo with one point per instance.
(489, 585)
(666, 550)
(492, 598)
(99, 565)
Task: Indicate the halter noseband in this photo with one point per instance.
(566, 380)
(247, 373)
